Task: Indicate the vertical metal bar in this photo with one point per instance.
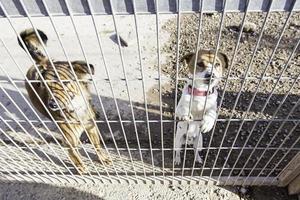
(272, 139)
(287, 94)
(236, 101)
(84, 54)
(127, 87)
(252, 100)
(194, 162)
(112, 90)
(214, 61)
(143, 84)
(243, 83)
(160, 88)
(176, 85)
(284, 121)
(270, 95)
(193, 82)
(76, 79)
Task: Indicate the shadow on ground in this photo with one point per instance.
(145, 134)
(33, 191)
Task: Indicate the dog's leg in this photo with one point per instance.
(179, 140)
(72, 134)
(94, 137)
(208, 120)
(182, 111)
(198, 145)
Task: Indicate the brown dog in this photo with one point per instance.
(64, 100)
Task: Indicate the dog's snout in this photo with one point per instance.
(208, 75)
(52, 105)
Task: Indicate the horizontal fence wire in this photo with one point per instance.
(136, 113)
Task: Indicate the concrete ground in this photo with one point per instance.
(34, 191)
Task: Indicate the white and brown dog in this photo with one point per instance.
(189, 131)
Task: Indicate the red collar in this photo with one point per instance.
(197, 92)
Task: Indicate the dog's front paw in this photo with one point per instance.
(206, 124)
(81, 169)
(186, 117)
(177, 160)
(199, 159)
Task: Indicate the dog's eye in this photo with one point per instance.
(217, 65)
(200, 64)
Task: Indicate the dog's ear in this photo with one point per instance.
(224, 60)
(187, 58)
(81, 68)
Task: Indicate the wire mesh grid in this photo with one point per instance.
(136, 88)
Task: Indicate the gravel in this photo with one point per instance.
(35, 191)
(243, 89)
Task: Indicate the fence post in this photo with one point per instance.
(291, 175)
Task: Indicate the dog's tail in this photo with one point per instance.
(33, 44)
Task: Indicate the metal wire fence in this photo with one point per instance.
(135, 92)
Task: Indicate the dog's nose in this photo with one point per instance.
(208, 75)
(52, 105)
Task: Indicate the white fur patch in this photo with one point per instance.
(79, 106)
(209, 66)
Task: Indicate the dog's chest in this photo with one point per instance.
(76, 110)
(80, 106)
(200, 102)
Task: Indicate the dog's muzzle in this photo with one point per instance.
(209, 75)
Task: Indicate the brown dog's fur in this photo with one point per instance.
(63, 94)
